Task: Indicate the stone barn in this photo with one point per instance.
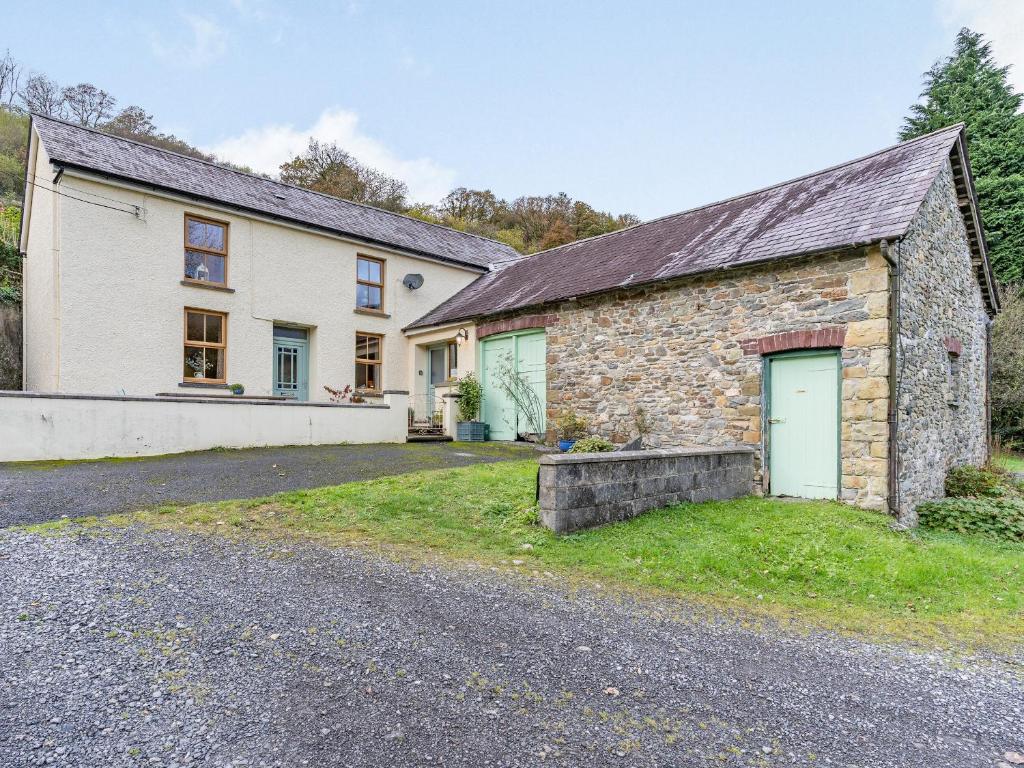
(837, 323)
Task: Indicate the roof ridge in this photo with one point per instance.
(116, 137)
(959, 126)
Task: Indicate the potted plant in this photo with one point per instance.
(197, 364)
(569, 428)
(470, 395)
(338, 395)
(237, 389)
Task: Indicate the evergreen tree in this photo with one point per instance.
(969, 87)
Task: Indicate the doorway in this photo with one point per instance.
(803, 424)
(291, 362)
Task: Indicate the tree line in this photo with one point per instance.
(528, 223)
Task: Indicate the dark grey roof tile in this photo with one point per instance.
(857, 203)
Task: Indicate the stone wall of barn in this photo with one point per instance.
(691, 355)
(942, 415)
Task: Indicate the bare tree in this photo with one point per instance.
(326, 167)
(10, 77)
(43, 96)
(88, 104)
(383, 191)
(133, 122)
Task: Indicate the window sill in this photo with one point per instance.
(371, 312)
(203, 384)
(207, 286)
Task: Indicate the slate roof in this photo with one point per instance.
(77, 147)
(858, 203)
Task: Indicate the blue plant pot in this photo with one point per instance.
(471, 431)
(565, 445)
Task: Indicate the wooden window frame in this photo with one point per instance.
(366, 361)
(383, 271)
(222, 345)
(209, 251)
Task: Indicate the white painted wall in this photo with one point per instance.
(43, 427)
(40, 275)
(110, 319)
(419, 367)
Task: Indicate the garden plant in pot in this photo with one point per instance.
(470, 395)
(569, 428)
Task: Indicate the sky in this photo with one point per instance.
(641, 107)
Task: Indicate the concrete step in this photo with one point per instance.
(428, 438)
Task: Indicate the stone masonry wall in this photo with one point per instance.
(582, 490)
(687, 354)
(941, 423)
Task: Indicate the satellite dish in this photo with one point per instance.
(412, 281)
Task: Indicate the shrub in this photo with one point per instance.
(968, 481)
(1001, 518)
(470, 395)
(570, 426)
(592, 445)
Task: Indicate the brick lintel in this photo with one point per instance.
(521, 323)
(816, 338)
(954, 346)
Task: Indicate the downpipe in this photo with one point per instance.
(893, 499)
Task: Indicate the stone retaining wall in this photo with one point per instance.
(584, 490)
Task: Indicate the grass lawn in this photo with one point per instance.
(1012, 462)
(817, 562)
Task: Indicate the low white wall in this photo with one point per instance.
(37, 427)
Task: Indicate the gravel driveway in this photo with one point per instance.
(32, 492)
(136, 648)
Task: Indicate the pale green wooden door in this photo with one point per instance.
(526, 355)
(291, 363)
(531, 362)
(803, 426)
(498, 410)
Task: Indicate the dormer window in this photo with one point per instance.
(206, 250)
(369, 283)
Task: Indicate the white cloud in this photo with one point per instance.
(1002, 23)
(204, 43)
(264, 149)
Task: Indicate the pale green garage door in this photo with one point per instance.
(803, 425)
(526, 355)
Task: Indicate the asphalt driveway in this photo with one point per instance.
(126, 648)
(34, 492)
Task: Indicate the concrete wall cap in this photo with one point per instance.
(653, 453)
(197, 400)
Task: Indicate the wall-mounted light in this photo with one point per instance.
(462, 336)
